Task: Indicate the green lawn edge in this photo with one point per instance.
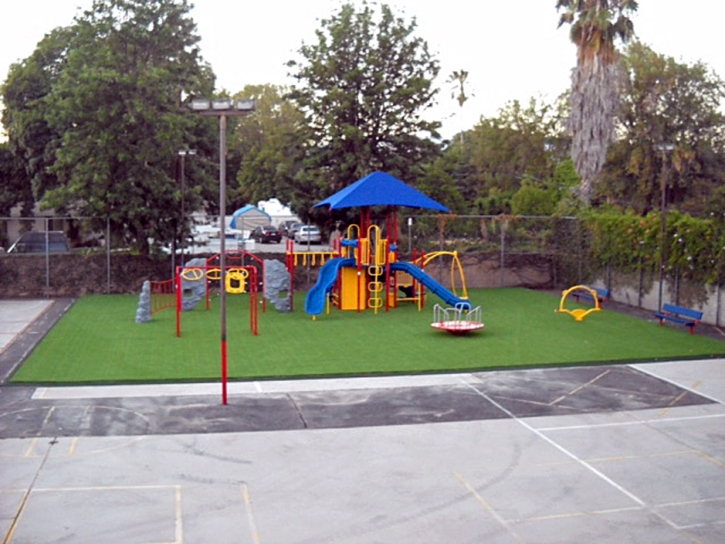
(98, 341)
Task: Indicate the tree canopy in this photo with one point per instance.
(14, 189)
(32, 140)
(499, 153)
(270, 143)
(98, 107)
(363, 88)
(96, 117)
(666, 103)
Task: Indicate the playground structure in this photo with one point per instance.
(197, 280)
(363, 271)
(579, 314)
(457, 320)
(238, 279)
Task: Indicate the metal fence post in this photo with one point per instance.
(581, 249)
(47, 260)
(503, 251)
(108, 255)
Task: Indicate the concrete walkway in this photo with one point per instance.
(626, 453)
(16, 316)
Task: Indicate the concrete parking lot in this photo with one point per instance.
(626, 453)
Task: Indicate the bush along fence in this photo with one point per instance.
(644, 261)
(677, 259)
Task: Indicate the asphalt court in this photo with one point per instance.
(625, 453)
(86, 411)
(653, 475)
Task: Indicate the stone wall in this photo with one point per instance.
(72, 275)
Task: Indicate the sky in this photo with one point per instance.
(512, 49)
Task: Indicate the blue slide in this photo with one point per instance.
(315, 301)
(431, 284)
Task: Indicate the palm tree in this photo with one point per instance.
(595, 27)
(458, 79)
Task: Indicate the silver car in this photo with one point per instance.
(308, 234)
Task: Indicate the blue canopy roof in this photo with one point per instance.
(380, 189)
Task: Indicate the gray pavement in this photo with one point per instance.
(626, 453)
(18, 315)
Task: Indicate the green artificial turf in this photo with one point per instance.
(99, 341)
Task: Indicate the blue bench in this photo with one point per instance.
(680, 315)
(602, 295)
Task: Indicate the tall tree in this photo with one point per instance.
(14, 190)
(25, 116)
(269, 143)
(667, 103)
(522, 142)
(116, 106)
(595, 27)
(363, 87)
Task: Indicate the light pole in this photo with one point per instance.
(223, 108)
(183, 153)
(664, 149)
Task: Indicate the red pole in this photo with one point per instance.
(223, 248)
(359, 257)
(224, 370)
(421, 287)
(254, 302)
(179, 297)
(291, 270)
(388, 249)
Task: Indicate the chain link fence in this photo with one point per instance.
(495, 251)
(64, 257)
(553, 253)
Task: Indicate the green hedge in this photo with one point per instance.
(693, 248)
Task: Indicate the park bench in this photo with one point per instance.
(602, 295)
(678, 314)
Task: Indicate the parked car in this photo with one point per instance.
(308, 234)
(41, 242)
(285, 227)
(267, 234)
(292, 229)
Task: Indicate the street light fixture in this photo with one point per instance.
(223, 108)
(183, 153)
(664, 149)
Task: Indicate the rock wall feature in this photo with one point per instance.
(193, 290)
(143, 312)
(276, 281)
